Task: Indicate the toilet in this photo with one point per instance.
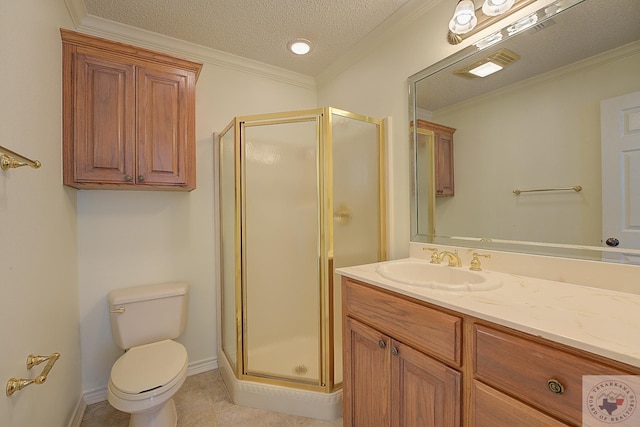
(144, 322)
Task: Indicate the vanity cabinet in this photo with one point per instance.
(443, 154)
(394, 372)
(411, 363)
(128, 116)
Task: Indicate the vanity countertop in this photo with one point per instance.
(600, 321)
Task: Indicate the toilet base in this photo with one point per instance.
(164, 416)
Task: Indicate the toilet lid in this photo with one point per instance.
(148, 366)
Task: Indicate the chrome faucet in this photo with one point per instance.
(454, 259)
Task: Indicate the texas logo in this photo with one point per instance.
(610, 401)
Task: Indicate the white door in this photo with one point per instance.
(620, 132)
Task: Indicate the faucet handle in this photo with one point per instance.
(475, 261)
(435, 256)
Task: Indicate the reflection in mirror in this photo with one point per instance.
(562, 112)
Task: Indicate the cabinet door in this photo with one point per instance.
(367, 376)
(444, 164)
(425, 392)
(166, 127)
(104, 126)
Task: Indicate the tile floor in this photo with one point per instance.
(203, 401)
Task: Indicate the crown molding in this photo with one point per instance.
(77, 10)
(403, 17)
(112, 30)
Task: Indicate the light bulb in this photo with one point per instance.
(464, 18)
(496, 7)
(300, 46)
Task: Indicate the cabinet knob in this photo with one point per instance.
(555, 386)
(140, 178)
(128, 178)
(394, 351)
(382, 344)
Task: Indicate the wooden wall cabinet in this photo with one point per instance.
(409, 363)
(128, 116)
(443, 147)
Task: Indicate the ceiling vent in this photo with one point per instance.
(496, 61)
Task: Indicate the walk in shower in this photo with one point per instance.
(300, 193)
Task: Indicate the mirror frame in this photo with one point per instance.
(595, 253)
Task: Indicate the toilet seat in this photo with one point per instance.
(148, 370)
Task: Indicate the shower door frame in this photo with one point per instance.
(324, 177)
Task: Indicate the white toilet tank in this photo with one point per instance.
(146, 314)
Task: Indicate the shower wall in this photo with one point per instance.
(301, 194)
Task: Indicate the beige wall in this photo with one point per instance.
(39, 286)
(133, 238)
(376, 85)
(65, 249)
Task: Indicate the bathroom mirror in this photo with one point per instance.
(534, 125)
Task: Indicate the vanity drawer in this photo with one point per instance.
(490, 408)
(428, 330)
(522, 367)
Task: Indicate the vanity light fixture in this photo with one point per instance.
(489, 40)
(299, 46)
(466, 21)
(496, 7)
(464, 18)
(523, 24)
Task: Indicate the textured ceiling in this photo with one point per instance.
(257, 29)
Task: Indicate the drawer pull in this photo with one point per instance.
(382, 344)
(394, 351)
(555, 386)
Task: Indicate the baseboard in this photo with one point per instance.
(99, 394)
(204, 365)
(78, 413)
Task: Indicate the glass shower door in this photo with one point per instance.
(281, 246)
(229, 293)
(357, 223)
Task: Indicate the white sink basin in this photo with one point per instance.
(437, 276)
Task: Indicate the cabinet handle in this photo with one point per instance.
(382, 344)
(140, 178)
(394, 351)
(555, 386)
(128, 178)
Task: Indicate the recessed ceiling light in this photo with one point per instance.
(485, 69)
(489, 64)
(299, 46)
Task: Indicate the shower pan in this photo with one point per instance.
(299, 194)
